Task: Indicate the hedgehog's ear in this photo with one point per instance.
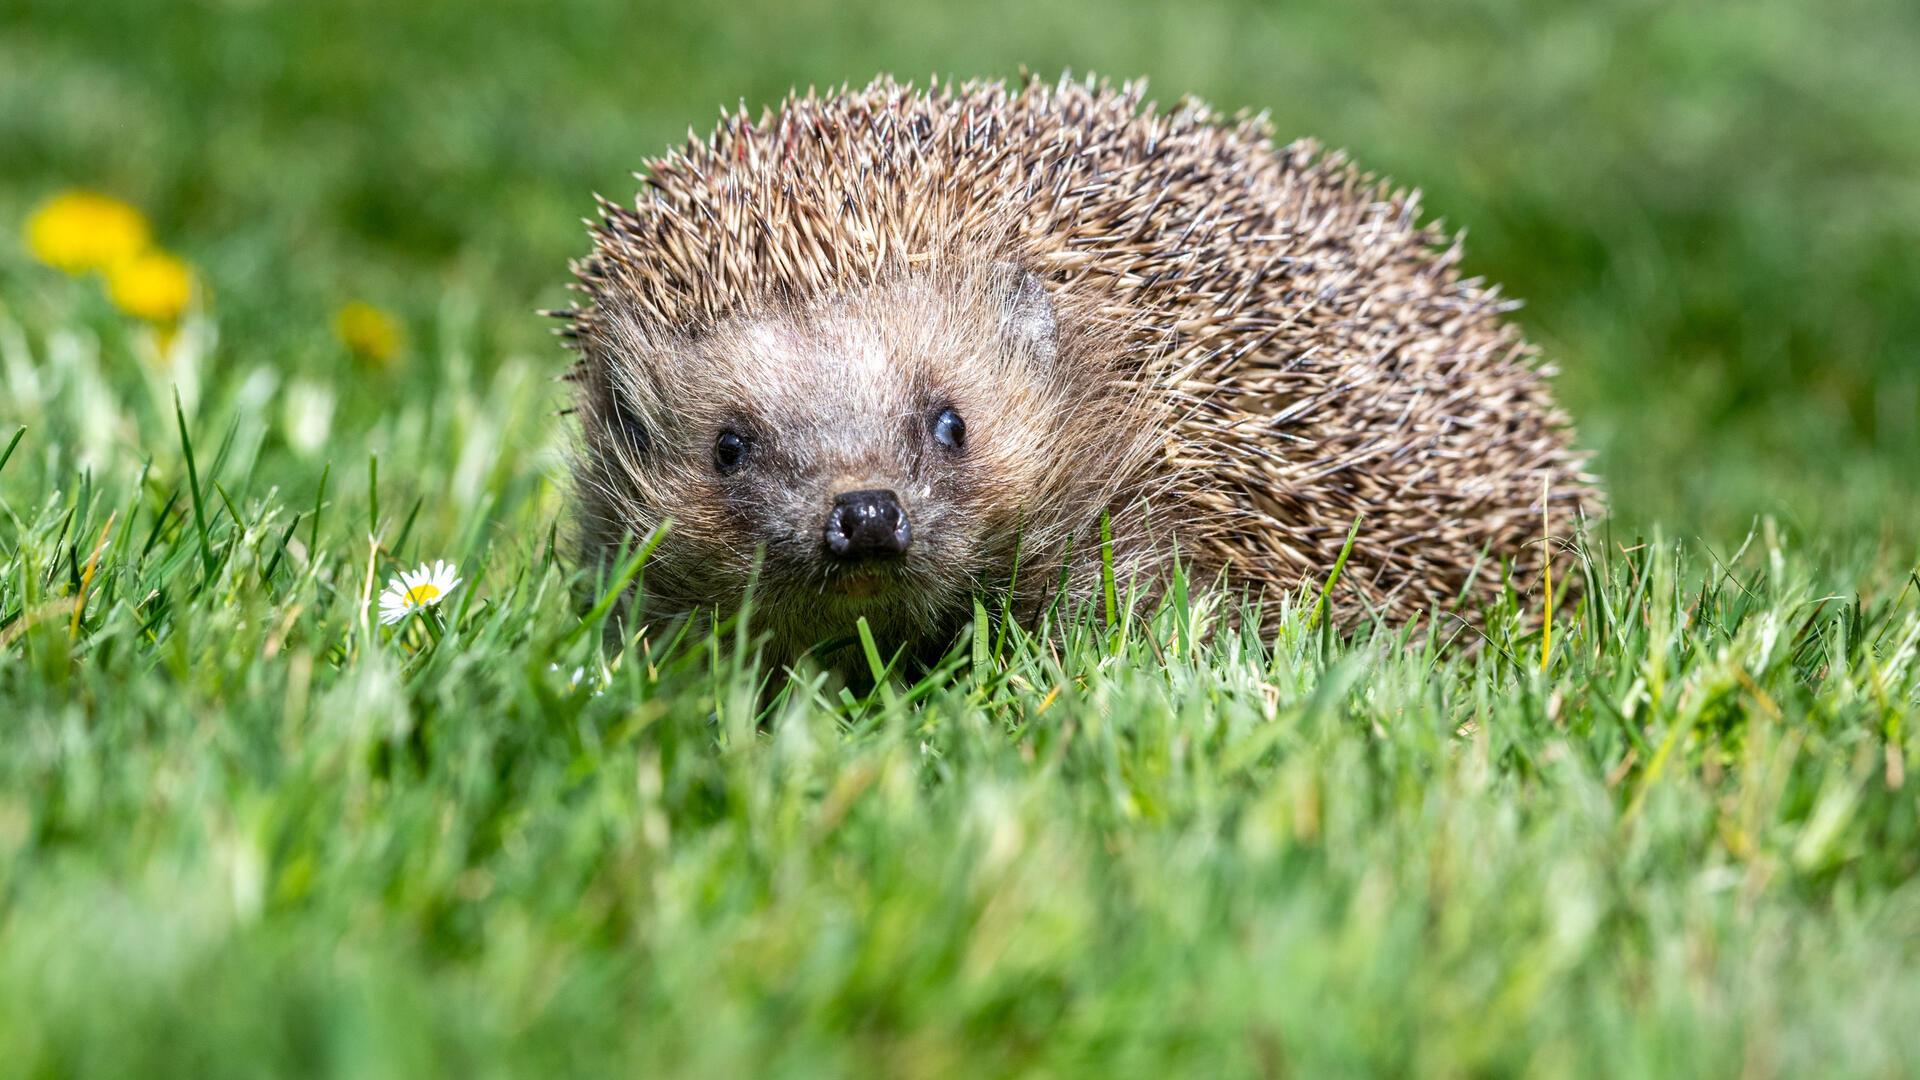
(1026, 311)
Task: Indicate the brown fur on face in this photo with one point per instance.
(1231, 350)
(840, 394)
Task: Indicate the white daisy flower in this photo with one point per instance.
(417, 590)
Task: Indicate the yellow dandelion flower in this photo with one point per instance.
(153, 286)
(369, 332)
(77, 231)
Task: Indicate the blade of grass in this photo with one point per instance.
(1339, 564)
(629, 571)
(871, 651)
(193, 488)
(1546, 574)
(373, 498)
(319, 499)
(1106, 569)
(18, 434)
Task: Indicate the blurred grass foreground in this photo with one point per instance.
(312, 758)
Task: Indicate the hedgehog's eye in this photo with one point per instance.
(729, 450)
(632, 427)
(948, 429)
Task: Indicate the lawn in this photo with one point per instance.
(245, 828)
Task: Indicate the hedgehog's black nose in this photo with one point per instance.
(866, 525)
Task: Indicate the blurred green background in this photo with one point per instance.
(245, 831)
(1711, 209)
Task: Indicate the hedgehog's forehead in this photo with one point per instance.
(794, 364)
(865, 351)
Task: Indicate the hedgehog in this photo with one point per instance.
(881, 353)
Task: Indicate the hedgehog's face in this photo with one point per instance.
(876, 451)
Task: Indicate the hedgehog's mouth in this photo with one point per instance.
(859, 586)
(862, 581)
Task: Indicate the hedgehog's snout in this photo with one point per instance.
(866, 525)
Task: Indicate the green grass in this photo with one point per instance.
(245, 830)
